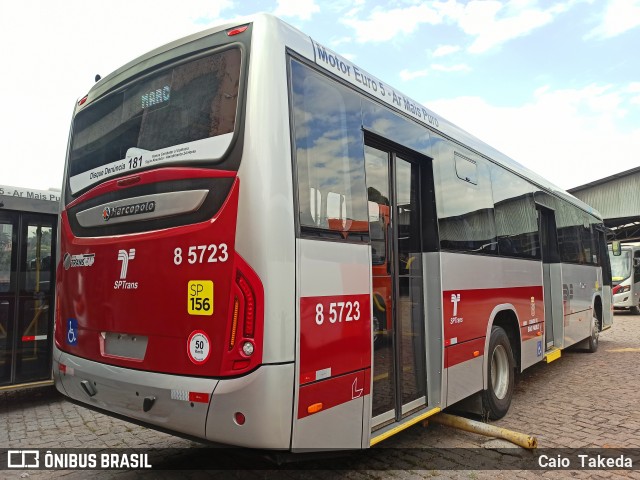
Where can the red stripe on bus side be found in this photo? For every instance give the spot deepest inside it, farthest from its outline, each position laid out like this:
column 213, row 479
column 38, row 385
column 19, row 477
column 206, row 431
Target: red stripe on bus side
column 463, row 352
column 473, row 309
column 333, row 391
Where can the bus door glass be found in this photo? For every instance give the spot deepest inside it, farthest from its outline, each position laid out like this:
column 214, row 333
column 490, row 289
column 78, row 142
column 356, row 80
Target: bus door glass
column 636, row 271
column 35, row 298
column 551, row 274
column 26, row 296
column 8, row 255
column 399, row 371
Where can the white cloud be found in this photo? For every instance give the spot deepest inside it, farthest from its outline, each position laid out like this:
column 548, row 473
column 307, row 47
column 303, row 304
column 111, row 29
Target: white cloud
column 489, row 22
column 302, row 9
column 493, row 23
column 444, row 50
column 634, row 90
column 409, row 75
column 339, row 41
column 71, row 42
column 383, row 25
column 619, row 17
column 460, row 67
column 570, row 137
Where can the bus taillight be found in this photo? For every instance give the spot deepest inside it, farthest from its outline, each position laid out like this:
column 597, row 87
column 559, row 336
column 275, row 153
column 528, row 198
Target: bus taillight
column 237, row 30
column 249, row 306
column 234, row 324
column 245, row 330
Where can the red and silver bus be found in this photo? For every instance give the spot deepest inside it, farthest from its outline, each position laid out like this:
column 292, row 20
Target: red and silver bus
column 250, row 201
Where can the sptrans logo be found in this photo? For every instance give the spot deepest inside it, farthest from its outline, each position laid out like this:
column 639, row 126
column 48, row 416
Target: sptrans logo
column 125, row 257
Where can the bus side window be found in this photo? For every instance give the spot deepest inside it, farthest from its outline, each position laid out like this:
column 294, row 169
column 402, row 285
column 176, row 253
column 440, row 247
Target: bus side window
column 515, row 215
column 465, row 205
column 636, row 267
column 329, row 160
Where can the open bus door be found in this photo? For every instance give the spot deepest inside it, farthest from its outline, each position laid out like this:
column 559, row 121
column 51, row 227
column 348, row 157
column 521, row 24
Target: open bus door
column 27, row 252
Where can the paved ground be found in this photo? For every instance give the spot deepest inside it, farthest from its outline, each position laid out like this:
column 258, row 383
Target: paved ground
column 581, row 400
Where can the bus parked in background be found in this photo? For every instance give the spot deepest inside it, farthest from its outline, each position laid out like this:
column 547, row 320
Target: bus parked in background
column 625, row 273
column 28, row 226
column 259, row 212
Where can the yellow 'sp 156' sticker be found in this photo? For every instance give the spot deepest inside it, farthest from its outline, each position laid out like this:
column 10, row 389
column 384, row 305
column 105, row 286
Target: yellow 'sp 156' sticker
column 200, row 297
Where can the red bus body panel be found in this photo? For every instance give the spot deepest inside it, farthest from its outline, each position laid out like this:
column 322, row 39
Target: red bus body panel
column 152, row 302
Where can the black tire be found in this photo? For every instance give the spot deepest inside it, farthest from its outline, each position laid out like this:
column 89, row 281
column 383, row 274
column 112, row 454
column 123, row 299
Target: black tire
column 379, row 320
column 634, row 310
column 376, row 328
column 496, row 399
column 591, row 343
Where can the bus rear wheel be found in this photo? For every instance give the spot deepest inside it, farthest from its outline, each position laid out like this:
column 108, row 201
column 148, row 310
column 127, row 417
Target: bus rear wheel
column 376, row 328
column 496, row 399
column 591, row 343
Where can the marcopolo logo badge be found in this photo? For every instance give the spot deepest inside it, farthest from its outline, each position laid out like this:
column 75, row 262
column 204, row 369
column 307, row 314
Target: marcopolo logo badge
column 126, row 210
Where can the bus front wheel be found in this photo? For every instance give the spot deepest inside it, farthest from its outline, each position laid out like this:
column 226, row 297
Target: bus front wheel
column 500, row 375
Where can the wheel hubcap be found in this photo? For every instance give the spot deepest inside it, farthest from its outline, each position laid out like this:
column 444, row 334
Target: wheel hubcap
column 376, row 328
column 500, row 372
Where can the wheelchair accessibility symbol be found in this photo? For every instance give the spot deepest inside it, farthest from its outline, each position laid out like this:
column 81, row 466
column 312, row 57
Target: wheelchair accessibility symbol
column 72, row 331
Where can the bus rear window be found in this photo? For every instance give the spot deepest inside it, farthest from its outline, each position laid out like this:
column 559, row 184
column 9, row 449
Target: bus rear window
column 191, row 101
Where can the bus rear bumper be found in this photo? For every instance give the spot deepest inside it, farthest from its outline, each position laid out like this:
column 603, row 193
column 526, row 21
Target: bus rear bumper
column 198, row 407
column 129, row 393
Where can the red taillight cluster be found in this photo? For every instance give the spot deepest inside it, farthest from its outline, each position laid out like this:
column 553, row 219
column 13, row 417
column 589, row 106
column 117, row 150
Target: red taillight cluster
column 244, row 339
column 249, row 306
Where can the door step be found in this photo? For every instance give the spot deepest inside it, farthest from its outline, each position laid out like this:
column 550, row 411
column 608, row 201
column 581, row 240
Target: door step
column 552, row 355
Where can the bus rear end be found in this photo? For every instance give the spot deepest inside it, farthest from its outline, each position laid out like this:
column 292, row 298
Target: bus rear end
column 155, row 308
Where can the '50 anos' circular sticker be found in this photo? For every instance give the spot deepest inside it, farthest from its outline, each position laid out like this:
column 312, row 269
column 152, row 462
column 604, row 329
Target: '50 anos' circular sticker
column 198, row 347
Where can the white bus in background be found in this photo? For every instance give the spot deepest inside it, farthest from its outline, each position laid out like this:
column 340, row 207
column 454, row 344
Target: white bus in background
column 625, row 275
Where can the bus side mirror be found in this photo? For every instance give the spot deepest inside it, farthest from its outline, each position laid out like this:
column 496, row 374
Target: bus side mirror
column 615, row 248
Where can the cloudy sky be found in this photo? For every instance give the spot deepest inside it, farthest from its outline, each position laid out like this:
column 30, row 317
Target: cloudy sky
column 553, row 84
